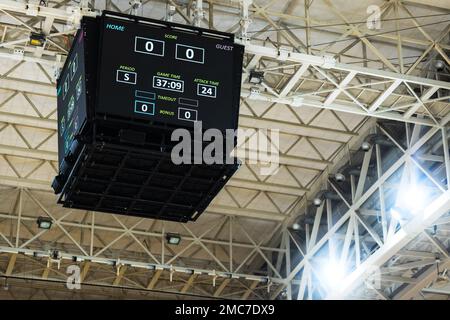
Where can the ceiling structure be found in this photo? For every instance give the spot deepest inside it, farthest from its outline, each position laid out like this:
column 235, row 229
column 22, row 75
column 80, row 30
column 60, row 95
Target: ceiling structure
column 329, row 81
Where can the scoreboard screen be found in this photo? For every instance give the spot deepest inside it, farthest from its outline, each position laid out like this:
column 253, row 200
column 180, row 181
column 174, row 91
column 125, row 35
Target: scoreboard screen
column 168, row 73
column 71, row 96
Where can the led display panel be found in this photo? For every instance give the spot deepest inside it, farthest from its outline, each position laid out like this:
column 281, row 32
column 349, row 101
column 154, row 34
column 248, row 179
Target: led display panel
column 169, row 74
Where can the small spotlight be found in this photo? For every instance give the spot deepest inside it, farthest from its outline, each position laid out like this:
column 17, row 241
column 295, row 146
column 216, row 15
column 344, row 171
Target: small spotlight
column 439, row 65
column 365, row 146
column 44, row 223
column 37, row 39
column 173, row 238
column 322, row 195
column 373, row 139
column 296, row 226
column 317, row 202
column 339, row 177
column 256, row 77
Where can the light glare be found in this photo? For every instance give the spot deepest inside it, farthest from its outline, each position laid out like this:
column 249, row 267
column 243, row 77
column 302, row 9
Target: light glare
column 395, row 213
column 412, row 197
column 334, row 272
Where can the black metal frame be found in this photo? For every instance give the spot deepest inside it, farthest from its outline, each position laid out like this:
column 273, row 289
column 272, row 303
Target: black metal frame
column 124, row 180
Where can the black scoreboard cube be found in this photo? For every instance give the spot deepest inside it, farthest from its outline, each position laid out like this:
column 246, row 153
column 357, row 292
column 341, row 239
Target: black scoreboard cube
column 127, row 84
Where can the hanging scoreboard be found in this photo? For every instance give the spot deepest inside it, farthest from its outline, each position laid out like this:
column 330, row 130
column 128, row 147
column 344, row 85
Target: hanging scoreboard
column 127, row 84
column 169, row 73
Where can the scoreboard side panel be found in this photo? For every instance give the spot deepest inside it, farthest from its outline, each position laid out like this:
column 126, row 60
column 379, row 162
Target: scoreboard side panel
column 71, row 96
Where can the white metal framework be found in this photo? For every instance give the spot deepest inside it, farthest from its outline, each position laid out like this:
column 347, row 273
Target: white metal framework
column 328, row 79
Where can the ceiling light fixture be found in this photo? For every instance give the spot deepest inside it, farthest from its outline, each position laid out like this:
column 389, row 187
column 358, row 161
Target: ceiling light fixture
column 173, row 238
column 37, row 39
column 256, row 77
column 44, row 223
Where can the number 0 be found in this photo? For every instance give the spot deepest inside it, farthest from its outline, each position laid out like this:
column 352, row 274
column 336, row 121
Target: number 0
column 189, row 53
column 187, row 115
column 144, row 108
column 149, row 46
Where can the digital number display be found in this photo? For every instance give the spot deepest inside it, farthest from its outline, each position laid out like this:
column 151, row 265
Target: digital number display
column 126, row 77
column 187, row 114
column 168, row 84
column 206, row 91
column 167, row 73
column 144, row 107
column 190, row 53
column 149, row 46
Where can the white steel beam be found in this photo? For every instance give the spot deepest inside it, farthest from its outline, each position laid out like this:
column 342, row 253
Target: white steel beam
column 443, row 291
column 189, row 283
column 250, row 289
column 218, row 209
column 244, row 121
column 120, row 275
column 49, row 61
column 11, row 264
column 222, row 286
column 327, row 63
column 264, row 186
column 28, row 86
column 382, row 97
column 437, row 243
column 33, row 9
column 332, row 96
column 357, row 204
column 286, row 55
column 398, row 279
column 293, row 80
column 417, row 105
column 154, row 279
column 441, row 4
column 408, row 232
column 25, row 183
column 28, row 153
column 412, row 290
column 336, row 106
column 140, row 265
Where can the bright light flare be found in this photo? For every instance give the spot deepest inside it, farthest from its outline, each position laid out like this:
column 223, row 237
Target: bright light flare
column 396, row 214
column 412, row 197
column 333, row 273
